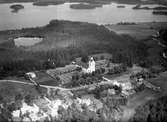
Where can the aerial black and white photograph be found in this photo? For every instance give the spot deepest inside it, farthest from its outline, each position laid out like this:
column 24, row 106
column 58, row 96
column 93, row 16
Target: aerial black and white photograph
column 83, row 60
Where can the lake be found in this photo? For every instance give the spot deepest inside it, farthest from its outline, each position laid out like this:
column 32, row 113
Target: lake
column 32, row 16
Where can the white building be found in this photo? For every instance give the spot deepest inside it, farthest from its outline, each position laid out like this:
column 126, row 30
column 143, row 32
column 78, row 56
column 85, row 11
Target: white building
column 31, row 75
column 91, row 66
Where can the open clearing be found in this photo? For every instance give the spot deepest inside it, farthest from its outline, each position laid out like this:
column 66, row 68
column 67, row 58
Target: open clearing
column 140, row 30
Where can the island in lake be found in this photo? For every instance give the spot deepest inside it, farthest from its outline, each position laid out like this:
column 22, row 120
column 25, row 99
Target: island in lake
column 139, row 6
column 16, row 7
column 55, row 2
column 49, row 2
column 85, row 6
column 120, row 6
column 160, row 12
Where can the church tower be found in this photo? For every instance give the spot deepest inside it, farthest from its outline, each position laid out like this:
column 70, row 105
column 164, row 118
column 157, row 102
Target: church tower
column 91, row 67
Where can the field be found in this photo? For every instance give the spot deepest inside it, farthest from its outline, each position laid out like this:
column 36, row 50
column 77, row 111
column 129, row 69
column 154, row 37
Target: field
column 9, row 90
column 138, row 31
column 44, row 79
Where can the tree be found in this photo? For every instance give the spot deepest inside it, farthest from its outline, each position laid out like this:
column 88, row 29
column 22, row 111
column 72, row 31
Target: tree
column 18, row 97
column 29, row 99
column 1, row 99
column 85, row 58
column 163, row 36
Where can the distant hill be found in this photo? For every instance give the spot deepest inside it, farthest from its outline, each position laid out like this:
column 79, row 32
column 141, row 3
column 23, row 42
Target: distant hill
column 12, row 1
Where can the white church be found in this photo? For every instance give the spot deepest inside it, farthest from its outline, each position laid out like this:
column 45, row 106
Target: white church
column 91, row 66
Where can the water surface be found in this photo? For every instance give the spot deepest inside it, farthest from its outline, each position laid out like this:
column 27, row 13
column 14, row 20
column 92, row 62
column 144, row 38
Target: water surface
column 32, row 16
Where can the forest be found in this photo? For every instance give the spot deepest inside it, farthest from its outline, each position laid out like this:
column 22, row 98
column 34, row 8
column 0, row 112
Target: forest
column 15, row 61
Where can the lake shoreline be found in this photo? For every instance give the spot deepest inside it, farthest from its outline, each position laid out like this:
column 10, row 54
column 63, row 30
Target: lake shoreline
column 43, row 14
column 118, row 28
column 160, row 12
column 106, row 25
column 103, row 2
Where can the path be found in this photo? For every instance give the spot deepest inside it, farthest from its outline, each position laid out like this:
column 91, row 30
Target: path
column 44, row 86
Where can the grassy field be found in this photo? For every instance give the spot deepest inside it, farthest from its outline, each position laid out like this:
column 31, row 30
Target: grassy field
column 138, row 31
column 9, row 90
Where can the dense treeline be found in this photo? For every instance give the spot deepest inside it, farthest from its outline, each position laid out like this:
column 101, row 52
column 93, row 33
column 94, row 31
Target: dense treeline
column 20, row 62
column 162, row 42
column 136, row 53
column 153, row 111
column 17, row 62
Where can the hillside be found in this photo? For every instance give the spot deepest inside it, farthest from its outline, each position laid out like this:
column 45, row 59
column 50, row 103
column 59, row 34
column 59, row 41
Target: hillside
column 65, row 40
column 65, row 34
